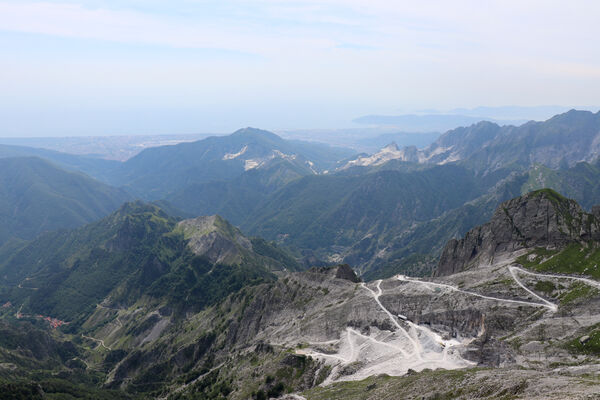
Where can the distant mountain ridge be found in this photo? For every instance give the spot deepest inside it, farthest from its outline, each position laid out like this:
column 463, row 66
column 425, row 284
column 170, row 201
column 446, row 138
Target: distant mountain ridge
column 37, row 196
column 321, row 215
column 160, row 171
column 384, row 213
column 564, row 139
column 94, row 167
column 428, row 122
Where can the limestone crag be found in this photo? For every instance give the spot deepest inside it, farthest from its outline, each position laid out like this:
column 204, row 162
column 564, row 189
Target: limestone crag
column 538, row 219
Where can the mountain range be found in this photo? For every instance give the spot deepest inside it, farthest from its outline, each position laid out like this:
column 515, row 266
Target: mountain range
column 428, row 122
column 377, row 212
column 37, row 196
column 201, row 311
column 563, row 140
column 251, row 267
column 136, row 251
column 160, row 171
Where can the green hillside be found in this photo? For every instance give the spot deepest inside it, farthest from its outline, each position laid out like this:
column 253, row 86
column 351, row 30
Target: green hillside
column 582, row 259
column 136, row 251
column 37, row 196
column 95, row 167
column 581, row 182
column 360, row 214
column 237, row 198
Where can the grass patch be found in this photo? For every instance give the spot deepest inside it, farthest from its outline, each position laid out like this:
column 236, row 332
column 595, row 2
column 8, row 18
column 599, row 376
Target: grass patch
column 440, row 384
column 574, row 259
column 546, row 287
column 578, row 291
column 589, row 346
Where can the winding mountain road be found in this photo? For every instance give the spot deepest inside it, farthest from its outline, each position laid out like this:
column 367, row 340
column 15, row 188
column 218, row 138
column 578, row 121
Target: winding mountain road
column 588, row 281
column 401, row 350
column 552, row 307
column 438, row 347
column 100, row 341
column 113, row 309
column 512, row 270
column 376, row 296
column 429, row 348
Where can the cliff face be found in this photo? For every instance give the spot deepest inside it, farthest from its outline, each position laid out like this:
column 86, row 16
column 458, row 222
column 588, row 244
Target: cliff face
column 538, row 219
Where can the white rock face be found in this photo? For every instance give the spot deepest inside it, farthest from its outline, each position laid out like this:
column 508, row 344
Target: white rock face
column 231, row 156
column 396, row 338
column 389, row 152
column 432, row 154
column 409, row 346
column 253, row 163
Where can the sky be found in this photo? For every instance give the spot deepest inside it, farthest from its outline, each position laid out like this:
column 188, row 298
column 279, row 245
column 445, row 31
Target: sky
column 113, row 67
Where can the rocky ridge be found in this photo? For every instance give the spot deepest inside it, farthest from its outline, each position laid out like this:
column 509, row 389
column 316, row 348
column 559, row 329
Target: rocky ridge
column 538, row 219
column 566, row 138
column 216, row 239
column 322, row 329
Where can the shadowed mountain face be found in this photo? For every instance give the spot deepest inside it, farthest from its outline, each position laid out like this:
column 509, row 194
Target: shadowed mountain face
column 562, row 140
column 36, row 196
column 355, row 219
column 238, row 197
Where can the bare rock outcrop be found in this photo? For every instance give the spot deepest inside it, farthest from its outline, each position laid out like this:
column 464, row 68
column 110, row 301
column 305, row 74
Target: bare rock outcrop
column 538, row 219
column 216, row 239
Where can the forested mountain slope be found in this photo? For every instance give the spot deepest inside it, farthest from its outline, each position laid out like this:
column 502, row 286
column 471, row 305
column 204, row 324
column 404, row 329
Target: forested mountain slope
column 160, row 171
column 136, row 251
column 37, row 196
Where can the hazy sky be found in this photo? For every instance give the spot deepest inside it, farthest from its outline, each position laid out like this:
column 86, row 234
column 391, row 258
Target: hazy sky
column 89, row 67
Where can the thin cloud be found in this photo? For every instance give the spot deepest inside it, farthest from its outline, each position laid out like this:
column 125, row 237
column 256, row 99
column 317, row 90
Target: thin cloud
column 355, row 46
column 325, row 57
column 76, row 21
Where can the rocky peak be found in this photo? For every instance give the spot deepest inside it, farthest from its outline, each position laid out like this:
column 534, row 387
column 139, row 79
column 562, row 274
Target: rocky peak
column 134, row 223
column 342, row 271
column 253, row 133
column 542, row 218
column 215, row 238
column 391, row 147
